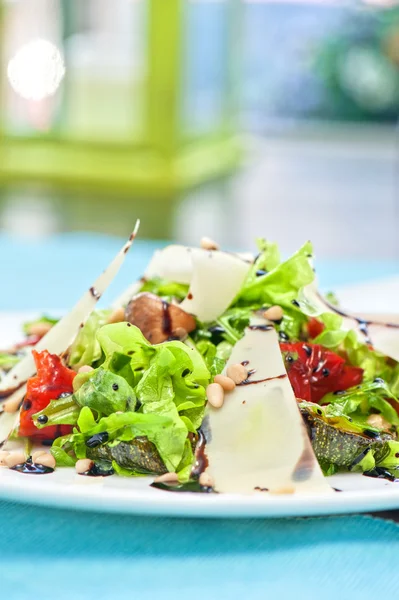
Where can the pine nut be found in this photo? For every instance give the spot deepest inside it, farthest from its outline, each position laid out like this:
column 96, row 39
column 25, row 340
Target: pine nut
column 39, row 329
column 378, row 421
column 274, row 313
column 226, row 382
column 215, row 395
column 117, row 316
column 3, row 456
column 208, row 244
column 38, row 453
column 206, row 480
column 15, row 458
column 85, row 369
column 180, row 333
column 9, row 407
column 47, row 460
column 167, row 478
column 83, row 465
column 238, row 373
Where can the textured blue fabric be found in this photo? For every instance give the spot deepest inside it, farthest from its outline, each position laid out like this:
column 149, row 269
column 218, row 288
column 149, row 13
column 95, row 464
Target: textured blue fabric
column 66, row 555
column 57, row 555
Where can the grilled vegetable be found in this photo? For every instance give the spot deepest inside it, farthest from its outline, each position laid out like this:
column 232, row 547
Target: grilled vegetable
column 335, row 442
column 139, row 455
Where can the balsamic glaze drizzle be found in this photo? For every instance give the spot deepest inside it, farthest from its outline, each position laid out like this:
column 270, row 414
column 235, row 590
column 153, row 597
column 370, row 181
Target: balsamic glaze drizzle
column 249, row 382
column 166, row 319
column 201, row 459
column 260, row 327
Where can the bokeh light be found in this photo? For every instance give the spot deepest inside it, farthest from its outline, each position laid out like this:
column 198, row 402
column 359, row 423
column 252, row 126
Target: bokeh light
column 36, row 70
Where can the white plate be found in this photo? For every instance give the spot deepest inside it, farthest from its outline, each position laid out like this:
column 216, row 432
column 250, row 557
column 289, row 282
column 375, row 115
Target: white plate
column 64, row 488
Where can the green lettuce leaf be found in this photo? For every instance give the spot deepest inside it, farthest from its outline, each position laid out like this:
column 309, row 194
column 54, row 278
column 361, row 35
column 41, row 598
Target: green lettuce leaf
column 63, row 411
column 366, row 462
column 208, row 351
column 361, row 401
column 388, row 456
column 62, row 458
column 86, row 421
column 106, row 393
column 167, row 290
column 86, row 348
column 156, row 393
column 282, row 284
column 374, row 363
column 126, row 340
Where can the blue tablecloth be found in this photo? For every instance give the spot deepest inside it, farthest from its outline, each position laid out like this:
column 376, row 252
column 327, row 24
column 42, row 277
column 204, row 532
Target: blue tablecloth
column 57, row 554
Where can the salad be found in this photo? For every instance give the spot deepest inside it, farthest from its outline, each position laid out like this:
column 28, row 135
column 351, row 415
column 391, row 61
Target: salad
column 214, row 372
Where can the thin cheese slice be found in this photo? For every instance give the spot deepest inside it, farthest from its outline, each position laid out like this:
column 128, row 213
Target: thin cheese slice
column 216, row 280
column 258, row 439
column 214, row 277
column 59, row 338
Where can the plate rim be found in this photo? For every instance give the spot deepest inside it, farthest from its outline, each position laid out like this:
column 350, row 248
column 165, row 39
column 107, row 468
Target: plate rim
column 136, row 501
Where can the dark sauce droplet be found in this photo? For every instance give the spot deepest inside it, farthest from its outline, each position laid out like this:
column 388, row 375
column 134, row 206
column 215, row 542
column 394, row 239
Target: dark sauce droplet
column 98, row 471
column 283, row 336
column 190, row 296
column 295, row 303
column 30, row 468
column 260, row 272
column 94, row 293
column 97, row 439
column 216, row 329
column 190, row 486
column 251, row 382
column 115, row 387
column 166, row 319
column 261, row 489
column 363, row 328
column 42, row 419
column 370, row 433
column 27, row 405
column 260, row 327
column 185, row 372
column 360, row 457
column 325, row 372
column 245, row 363
column 307, row 349
column 339, row 392
column 380, row 473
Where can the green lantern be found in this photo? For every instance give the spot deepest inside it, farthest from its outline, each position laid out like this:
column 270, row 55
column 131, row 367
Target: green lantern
column 129, row 95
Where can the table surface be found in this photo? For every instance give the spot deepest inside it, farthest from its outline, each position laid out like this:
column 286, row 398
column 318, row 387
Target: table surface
column 50, row 553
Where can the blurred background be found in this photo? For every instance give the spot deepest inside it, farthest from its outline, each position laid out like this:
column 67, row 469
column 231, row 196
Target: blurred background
column 227, row 118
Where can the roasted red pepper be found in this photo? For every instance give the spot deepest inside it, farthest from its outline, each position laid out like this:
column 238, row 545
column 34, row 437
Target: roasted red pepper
column 52, row 380
column 315, row 327
column 314, row 371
